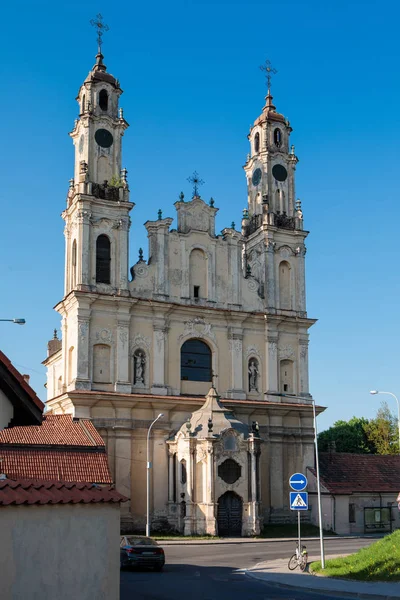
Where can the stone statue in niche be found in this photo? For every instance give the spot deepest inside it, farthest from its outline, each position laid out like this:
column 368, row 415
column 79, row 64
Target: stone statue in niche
column 253, row 375
column 139, row 364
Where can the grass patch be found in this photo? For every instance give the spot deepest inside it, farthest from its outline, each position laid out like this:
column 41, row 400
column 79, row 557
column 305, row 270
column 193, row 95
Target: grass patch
column 290, row 530
column 378, row 562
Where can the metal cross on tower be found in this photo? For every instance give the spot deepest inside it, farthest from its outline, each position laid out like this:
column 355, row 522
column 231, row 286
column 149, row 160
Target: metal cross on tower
column 101, row 28
column 196, row 181
column 269, row 71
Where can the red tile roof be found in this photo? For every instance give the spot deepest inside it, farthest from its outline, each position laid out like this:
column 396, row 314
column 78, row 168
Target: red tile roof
column 50, row 492
column 345, row 473
column 57, row 430
column 54, row 464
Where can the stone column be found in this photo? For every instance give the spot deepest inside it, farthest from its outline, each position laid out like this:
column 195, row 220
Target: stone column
column 211, row 523
column 270, row 274
column 170, row 477
column 159, row 335
column 122, row 283
column 185, row 292
column 271, row 375
column 303, row 366
column 123, row 462
column 83, row 250
column 301, row 279
column 82, row 381
column 236, row 350
column 253, row 473
column 68, row 256
column 122, row 383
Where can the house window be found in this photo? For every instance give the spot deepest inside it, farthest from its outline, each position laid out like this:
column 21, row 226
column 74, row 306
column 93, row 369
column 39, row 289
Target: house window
column 257, row 143
column 196, row 291
column 103, row 259
column 183, row 472
column 195, row 361
column 352, row 513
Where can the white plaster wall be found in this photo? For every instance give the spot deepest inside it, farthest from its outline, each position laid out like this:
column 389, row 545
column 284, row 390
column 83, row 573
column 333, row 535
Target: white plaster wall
column 60, row 552
column 6, row 410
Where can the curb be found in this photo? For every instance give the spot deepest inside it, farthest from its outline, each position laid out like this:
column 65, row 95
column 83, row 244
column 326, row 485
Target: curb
column 325, row 591
column 183, row 542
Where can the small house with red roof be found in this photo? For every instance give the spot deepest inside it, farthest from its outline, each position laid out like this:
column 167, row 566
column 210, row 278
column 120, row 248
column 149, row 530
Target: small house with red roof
column 358, row 492
column 19, row 405
column 59, row 540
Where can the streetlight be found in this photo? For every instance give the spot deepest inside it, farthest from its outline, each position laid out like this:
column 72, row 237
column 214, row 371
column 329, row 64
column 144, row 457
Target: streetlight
column 17, row 321
column 373, row 392
column 321, row 532
column 148, row 476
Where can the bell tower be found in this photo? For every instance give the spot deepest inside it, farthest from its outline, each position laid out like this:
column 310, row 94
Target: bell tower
column 272, row 228
column 97, row 214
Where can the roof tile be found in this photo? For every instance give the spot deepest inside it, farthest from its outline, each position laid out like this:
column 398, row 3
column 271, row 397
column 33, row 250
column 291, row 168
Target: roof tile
column 17, row 492
column 345, row 473
column 56, row 430
column 48, row 464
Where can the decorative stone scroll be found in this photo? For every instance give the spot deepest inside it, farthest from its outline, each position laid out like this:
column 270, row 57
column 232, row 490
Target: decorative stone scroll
column 197, row 327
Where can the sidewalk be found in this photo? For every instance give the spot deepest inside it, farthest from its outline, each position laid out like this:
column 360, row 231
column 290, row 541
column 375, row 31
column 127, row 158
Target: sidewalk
column 277, row 572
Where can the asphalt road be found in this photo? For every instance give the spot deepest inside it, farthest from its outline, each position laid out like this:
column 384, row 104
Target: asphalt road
column 210, row 572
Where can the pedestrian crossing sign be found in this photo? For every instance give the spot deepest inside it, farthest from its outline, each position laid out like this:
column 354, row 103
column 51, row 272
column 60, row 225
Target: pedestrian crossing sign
column 298, row 501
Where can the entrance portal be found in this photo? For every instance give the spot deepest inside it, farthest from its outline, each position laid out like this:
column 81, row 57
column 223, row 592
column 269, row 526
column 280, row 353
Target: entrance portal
column 229, row 518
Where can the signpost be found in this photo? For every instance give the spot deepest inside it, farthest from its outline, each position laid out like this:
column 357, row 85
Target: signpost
column 298, row 499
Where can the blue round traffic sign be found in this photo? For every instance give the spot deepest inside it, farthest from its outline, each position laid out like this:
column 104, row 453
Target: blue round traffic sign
column 298, row 482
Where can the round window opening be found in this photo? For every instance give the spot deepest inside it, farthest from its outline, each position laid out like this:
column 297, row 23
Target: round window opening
column 229, row 471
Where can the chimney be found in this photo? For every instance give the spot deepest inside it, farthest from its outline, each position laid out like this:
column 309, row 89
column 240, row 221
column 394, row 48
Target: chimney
column 26, row 377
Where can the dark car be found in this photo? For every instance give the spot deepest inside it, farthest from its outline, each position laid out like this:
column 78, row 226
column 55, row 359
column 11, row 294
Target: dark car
column 141, row 552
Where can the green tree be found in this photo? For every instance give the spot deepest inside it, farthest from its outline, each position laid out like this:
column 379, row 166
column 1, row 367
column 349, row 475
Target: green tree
column 348, row 436
column 382, row 431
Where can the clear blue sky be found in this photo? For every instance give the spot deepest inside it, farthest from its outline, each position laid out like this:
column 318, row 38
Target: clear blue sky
column 192, row 87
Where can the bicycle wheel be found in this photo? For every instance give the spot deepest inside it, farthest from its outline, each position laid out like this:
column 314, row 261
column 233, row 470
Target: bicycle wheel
column 293, row 562
column 303, row 562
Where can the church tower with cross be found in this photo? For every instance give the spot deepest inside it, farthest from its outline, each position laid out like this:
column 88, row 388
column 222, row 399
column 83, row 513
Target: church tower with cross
column 207, row 329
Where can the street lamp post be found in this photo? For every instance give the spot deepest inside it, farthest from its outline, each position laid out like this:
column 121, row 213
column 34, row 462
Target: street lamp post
column 148, row 476
column 17, row 321
column 373, row 392
column 321, row 531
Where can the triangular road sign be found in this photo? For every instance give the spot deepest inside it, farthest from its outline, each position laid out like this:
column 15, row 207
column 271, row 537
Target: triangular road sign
column 298, row 501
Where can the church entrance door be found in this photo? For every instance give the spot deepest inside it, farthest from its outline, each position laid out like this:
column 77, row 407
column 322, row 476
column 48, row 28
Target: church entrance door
column 229, row 518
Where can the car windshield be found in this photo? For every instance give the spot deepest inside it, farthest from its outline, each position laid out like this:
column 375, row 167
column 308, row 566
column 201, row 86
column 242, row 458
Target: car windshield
column 140, row 541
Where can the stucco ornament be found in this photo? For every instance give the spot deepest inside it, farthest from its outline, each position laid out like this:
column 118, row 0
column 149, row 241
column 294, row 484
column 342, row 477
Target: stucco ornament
column 139, row 340
column 286, row 352
column 252, row 350
column 235, row 346
column 285, row 252
column 83, row 329
column 104, row 335
column 141, row 270
column 252, row 285
column 123, row 336
column 197, row 327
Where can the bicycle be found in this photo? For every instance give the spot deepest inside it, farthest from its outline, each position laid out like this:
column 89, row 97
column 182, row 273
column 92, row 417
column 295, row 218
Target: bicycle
column 298, row 559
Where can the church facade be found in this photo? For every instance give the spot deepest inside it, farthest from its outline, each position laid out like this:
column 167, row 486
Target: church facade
column 204, row 312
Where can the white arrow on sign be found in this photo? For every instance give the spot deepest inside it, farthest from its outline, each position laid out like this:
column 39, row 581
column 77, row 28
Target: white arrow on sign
column 297, row 481
column 298, row 501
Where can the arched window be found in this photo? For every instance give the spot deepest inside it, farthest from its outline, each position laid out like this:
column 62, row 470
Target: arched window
column 284, row 286
column 277, row 137
column 73, row 260
column 257, row 143
column 183, row 472
column 103, row 100
column 195, row 361
column 101, row 363
column 83, row 103
column 103, row 259
column 286, row 376
column 198, row 274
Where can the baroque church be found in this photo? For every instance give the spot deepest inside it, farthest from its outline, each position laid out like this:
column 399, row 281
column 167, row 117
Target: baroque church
column 150, row 339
